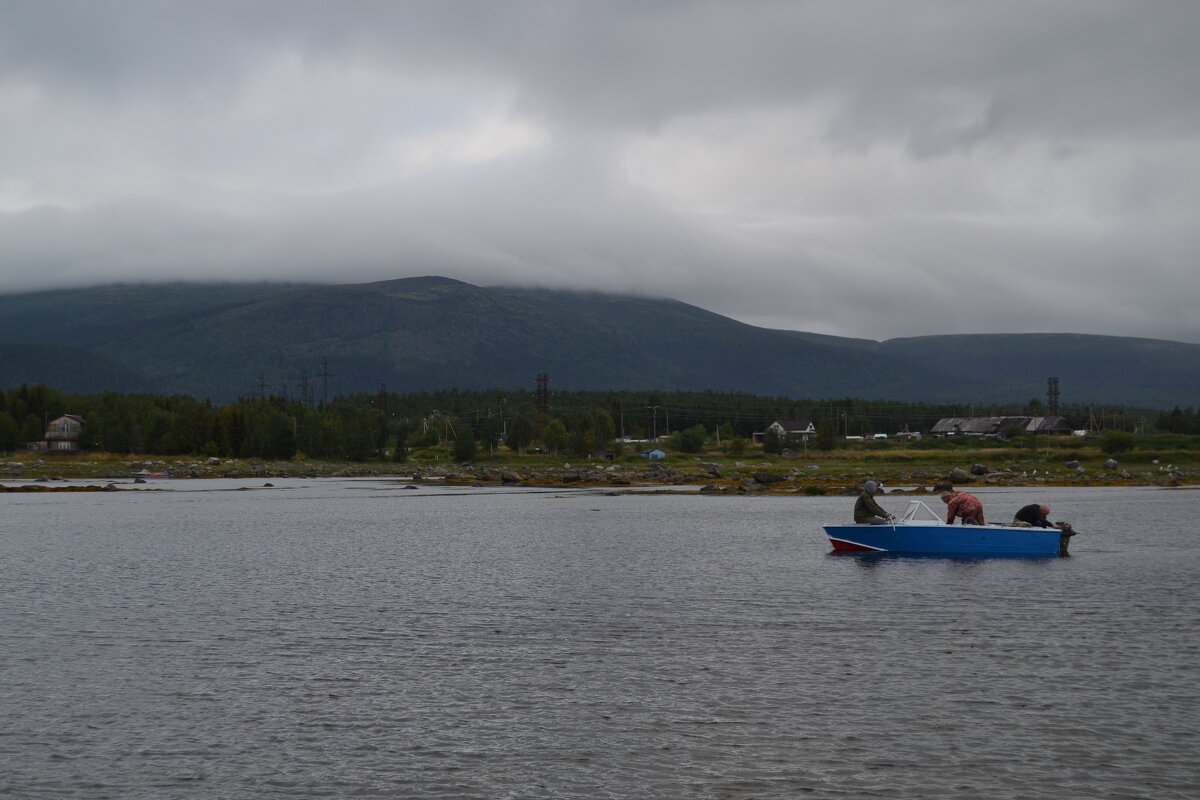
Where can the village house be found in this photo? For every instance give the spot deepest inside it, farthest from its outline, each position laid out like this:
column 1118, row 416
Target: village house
column 62, row 435
column 800, row 430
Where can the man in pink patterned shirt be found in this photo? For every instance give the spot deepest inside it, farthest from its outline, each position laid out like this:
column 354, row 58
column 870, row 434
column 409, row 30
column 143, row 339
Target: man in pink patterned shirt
column 961, row 504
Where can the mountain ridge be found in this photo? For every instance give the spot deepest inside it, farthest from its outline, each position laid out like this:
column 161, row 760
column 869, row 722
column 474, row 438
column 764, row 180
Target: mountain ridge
column 411, row 334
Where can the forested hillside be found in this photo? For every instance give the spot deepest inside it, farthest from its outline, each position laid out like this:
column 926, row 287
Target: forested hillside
column 309, row 342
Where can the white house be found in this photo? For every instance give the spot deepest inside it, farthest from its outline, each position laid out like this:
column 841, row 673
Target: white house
column 800, row 429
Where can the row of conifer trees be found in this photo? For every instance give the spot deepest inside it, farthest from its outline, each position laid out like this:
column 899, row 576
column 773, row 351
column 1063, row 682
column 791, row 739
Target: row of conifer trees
column 365, row 426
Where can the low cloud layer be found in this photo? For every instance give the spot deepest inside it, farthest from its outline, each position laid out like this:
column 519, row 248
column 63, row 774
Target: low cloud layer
column 866, row 169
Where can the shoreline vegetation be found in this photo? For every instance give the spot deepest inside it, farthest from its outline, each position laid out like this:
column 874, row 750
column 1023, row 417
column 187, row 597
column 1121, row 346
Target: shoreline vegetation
column 719, row 442
column 835, row 472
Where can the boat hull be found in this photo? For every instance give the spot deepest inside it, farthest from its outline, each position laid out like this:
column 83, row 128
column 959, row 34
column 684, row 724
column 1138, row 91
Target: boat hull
column 941, row 539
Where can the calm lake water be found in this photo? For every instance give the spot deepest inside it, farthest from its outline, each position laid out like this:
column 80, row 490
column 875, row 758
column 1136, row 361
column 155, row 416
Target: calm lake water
column 363, row 639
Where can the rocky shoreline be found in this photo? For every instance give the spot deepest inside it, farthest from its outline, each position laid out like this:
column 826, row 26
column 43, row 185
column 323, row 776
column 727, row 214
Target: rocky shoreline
column 705, row 476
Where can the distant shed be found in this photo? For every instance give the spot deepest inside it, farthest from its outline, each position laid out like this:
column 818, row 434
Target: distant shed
column 995, row 426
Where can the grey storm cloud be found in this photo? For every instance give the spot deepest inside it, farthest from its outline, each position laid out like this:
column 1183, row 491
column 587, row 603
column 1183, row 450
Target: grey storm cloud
column 871, row 169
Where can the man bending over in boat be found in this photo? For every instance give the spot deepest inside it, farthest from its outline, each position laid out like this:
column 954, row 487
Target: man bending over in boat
column 1035, row 515
column 866, row 510
column 961, row 504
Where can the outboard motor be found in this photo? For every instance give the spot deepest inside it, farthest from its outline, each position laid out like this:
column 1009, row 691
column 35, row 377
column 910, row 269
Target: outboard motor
column 1065, row 532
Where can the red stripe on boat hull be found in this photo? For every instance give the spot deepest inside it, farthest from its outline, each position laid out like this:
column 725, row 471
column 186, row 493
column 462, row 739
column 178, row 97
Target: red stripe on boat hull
column 842, row 544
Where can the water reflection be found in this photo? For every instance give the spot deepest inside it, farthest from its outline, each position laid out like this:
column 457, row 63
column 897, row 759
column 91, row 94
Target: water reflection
column 872, row 560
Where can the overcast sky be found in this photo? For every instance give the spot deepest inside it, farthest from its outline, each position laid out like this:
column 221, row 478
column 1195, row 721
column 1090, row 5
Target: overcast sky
column 866, row 169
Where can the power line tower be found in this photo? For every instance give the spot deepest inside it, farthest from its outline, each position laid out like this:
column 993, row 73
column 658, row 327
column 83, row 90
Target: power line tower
column 437, row 418
column 260, row 387
column 542, row 397
column 306, row 389
column 325, row 376
column 1052, row 403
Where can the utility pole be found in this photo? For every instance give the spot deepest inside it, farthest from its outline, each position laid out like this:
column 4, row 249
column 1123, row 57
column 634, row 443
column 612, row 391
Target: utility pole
column 542, row 398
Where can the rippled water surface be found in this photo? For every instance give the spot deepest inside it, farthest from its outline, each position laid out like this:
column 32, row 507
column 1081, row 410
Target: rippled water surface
column 364, row 639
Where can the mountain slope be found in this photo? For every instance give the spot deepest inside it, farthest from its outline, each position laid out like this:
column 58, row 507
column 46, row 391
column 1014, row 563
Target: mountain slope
column 1108, row 370
column 68, row 369
column 429, row 333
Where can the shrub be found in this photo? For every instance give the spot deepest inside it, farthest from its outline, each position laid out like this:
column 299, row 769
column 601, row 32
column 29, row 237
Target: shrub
column 464, row 445
column 1114, row 442
column 691, row 440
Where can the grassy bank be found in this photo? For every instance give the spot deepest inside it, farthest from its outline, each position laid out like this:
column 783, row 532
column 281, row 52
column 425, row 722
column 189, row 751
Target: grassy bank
column 1068, row 462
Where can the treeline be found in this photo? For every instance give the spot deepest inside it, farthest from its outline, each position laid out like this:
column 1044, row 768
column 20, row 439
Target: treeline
column 368, row 426
column 182, row 425
column 1182, row 421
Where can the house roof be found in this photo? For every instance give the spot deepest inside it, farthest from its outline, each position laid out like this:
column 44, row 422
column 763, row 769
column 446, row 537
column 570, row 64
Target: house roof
column 948, row 425
column 978, row 426
column 1040, row 424
column 794, row 425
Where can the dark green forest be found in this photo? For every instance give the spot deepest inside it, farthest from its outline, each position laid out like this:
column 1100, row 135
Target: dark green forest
column 363, row 427
column 224, row 341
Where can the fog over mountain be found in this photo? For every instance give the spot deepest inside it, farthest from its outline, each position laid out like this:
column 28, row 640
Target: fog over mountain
column 864, row 169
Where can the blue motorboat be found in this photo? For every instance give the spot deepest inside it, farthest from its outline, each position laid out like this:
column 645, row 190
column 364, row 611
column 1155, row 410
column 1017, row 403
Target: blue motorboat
column 920, row 530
